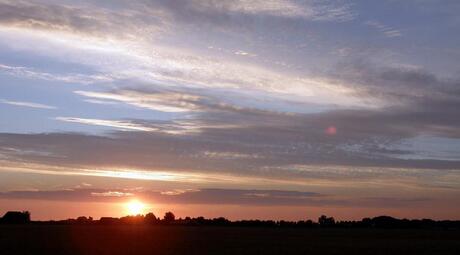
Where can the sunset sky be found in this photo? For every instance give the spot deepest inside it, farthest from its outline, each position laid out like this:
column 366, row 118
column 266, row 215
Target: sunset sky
column 270, row 109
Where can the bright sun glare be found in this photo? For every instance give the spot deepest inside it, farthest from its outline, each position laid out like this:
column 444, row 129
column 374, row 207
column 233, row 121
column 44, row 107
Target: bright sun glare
column 135, row 207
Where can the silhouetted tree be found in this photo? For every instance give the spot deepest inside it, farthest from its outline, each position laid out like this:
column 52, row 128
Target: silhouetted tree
column 325, row 221
column 150, row 218
column 305, row 224
column 169, row 217
column 221, row 221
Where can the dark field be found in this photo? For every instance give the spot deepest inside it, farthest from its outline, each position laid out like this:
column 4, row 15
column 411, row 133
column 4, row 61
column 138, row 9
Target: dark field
column 80, row 239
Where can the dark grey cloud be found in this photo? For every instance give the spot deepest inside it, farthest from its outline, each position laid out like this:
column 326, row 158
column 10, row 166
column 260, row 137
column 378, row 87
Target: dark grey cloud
column 214, row 197
column 222, row 137
column 243, row 141
column 204, row 196
column 418, row 101
column 398, row 83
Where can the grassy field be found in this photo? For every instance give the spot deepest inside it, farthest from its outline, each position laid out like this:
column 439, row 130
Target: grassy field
column 69, row 240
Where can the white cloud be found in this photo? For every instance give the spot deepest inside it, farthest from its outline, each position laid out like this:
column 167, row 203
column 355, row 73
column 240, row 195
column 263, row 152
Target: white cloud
column 104, row 102
column 244, row 53
column 176, row 192
column 27, row 104
column 227, row 155
column 24, row 72
column 111, row 194
column 118, row 124
column 166, row 102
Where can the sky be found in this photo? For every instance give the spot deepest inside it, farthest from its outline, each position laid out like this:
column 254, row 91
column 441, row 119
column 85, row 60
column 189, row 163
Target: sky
column 269, row 109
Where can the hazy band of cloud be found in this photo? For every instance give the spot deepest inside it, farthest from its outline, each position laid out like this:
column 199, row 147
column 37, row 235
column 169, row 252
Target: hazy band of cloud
column 216, row 197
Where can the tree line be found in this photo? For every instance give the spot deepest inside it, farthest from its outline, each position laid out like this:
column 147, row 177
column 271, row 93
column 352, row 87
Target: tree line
column 170, row 219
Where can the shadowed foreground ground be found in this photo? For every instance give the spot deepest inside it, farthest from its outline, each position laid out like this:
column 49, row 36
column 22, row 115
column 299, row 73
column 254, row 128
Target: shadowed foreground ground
column 80, row 239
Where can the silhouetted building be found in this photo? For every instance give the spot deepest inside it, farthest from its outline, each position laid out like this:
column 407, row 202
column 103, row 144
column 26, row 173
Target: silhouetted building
column 109, row 220
column 12, row 217
column 84, row 220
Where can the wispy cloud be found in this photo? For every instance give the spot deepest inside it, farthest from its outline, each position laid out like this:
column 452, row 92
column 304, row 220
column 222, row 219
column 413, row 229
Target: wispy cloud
column 25, row 72
column 244, row 53
column 28, row 104
column 103, row 102
column 118, row 124
column 160, row 101
column 172, row 65
column 308, row 10
column 220, row 196
column 174, row 176
column 387, row 31
column 111, row 194
column 69, row 18
column 227, row 155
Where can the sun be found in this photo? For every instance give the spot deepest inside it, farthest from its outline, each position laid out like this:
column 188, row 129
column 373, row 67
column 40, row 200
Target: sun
column 135, row 207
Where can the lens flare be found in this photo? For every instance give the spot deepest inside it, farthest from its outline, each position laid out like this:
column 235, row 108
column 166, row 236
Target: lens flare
column 331, row 130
